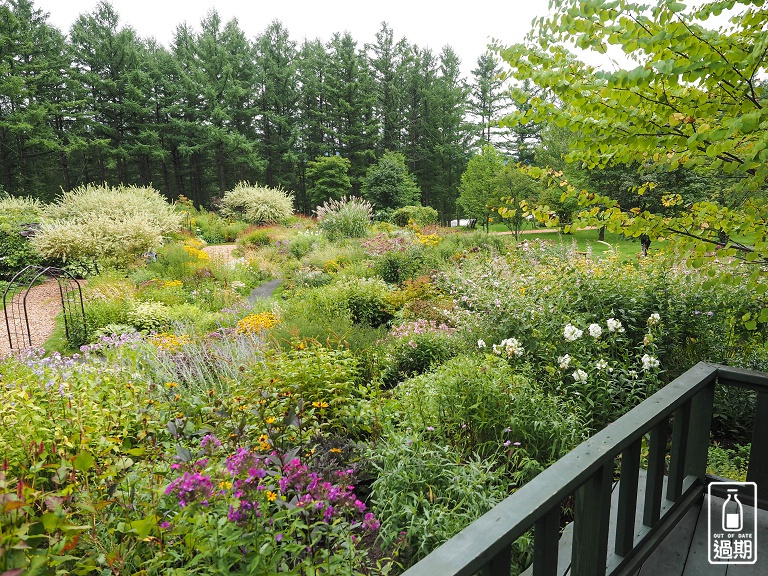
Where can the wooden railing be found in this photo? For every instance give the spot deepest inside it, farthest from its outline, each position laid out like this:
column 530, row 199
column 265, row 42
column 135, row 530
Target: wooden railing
column 587, row 471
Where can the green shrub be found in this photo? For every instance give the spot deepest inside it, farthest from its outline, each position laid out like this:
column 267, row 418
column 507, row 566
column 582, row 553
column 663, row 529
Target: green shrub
column 355, row 300
column 302, row 244
column 149, row 316
column 729, row 463
column 396, row 266
column 214, row 229
column 257, row 204
column 481, row 405
column 16, row 251
column 425, row 493
column 364, row 298
column 326, row 379
column 415, row 350
column 420, row 215
column 345, row 218
column 254, row 239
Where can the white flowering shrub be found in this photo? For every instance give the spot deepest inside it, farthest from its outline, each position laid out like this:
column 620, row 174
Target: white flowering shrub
column 99, row 226
column 115, row 203
column 100, row 239
column 257, row 204
column 601, row 370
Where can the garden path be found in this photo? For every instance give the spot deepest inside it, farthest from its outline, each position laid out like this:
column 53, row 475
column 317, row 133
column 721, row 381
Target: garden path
column 224, row 252
column 43, row 305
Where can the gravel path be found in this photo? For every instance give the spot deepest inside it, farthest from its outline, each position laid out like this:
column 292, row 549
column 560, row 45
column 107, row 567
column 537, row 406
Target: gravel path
column 224, row 252
column 220, row 251
column 43, row 304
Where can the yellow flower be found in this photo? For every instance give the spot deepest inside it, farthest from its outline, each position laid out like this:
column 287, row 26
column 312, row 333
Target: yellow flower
column 270, row 420
column 257, row 323
column 336, row 450
column 169, row 342
column 271, row 496
column 320, row 404
column 199, row 254
column 226, row 485
column 172, row 384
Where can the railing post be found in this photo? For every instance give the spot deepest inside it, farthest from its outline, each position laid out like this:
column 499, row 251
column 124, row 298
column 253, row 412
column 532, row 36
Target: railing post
column 546, row 541
column 590, row 529
column 500, row 565
column 657, row 452
column 758, row 456
column 625, row 516
column 698, row 432
column 680, row 427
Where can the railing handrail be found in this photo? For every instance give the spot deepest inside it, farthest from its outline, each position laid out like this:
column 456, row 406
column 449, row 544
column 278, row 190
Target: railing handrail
column 476, row 546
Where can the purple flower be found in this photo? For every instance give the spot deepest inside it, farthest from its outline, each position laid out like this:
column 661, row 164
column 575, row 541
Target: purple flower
column 210, row 444
column 507, row 443
column 191, row 487
column 278, row 537
column 430, row 428
column 370, row 522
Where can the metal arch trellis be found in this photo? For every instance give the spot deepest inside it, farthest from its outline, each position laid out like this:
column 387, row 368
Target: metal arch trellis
column 16, row 317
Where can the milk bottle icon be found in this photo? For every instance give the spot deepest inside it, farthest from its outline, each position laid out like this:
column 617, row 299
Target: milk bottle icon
column 733, row 513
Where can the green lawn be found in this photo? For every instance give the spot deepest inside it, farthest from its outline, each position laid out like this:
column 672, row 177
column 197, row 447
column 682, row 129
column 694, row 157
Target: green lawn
column 586, row 241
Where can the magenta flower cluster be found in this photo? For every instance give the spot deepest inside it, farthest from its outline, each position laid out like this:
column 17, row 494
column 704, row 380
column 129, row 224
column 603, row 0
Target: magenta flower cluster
column 252, row 482
column 210, row 444
column 319, row 496
column 191, row 487
column 258, row 485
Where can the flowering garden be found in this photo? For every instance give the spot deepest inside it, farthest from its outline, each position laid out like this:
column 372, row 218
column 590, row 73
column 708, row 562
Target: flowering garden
column 402, row 381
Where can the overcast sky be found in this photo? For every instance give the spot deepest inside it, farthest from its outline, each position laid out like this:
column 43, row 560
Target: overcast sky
column 467, row 27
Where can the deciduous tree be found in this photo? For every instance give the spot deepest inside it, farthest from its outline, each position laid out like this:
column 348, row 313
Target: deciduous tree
column 696, row 98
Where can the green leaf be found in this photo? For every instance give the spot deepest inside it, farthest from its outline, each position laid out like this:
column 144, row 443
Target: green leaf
column 143, row 527
column 676, row 7
column 51, row 521
column 83, row 461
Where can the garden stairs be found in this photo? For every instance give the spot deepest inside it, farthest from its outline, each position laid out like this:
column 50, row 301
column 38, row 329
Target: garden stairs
column 653, row 522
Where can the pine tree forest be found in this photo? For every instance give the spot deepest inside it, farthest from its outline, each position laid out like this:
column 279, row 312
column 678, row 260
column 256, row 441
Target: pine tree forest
column 99, row 104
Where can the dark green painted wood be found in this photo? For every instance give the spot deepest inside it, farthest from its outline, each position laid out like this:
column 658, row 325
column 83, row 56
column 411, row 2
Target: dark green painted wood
column 546, row 534
column 698, row 432
column 500, row 564
column 758, row 457
column 657, row 451
column 668, row 559
column 625, row 516
column 741, row 378
column 590, row 527
column 648, row 539
column 677, row 455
